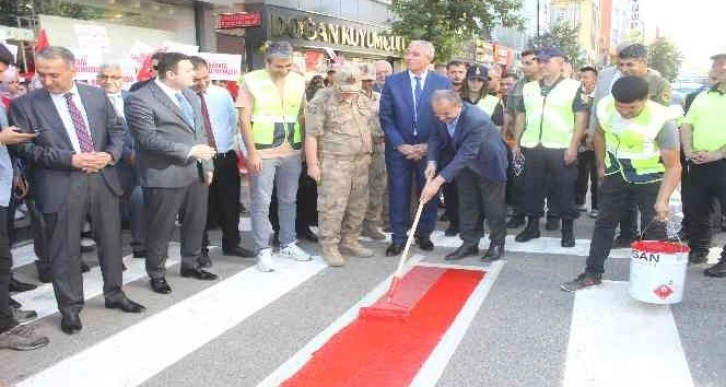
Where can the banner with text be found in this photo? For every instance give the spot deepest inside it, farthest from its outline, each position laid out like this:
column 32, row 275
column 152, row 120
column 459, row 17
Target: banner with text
column 223, row 67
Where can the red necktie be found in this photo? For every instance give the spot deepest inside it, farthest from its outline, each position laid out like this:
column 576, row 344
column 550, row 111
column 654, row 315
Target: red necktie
column 84, row 137
column 207, row 122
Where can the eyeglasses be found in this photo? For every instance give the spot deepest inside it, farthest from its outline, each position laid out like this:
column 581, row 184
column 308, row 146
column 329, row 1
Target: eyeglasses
column 110, row 77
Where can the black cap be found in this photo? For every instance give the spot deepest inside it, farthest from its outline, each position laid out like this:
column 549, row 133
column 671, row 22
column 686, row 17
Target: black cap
column 719, row 56
column 477, row 71
column 6, row 56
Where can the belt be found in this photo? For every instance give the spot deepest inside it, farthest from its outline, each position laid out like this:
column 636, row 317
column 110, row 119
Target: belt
column 226, row 154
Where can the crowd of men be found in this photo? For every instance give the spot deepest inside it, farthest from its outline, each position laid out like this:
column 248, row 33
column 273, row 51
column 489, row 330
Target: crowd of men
column 352, row 153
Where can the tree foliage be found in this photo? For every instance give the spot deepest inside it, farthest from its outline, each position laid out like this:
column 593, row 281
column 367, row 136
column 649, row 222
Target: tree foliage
column 565, row 37
column 664, row 56
column 450, row 23
column 24, row 8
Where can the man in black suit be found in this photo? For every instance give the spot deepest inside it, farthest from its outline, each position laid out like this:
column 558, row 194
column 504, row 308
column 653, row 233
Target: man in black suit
column 174, row 166
column 80, row 139
column 479, row 166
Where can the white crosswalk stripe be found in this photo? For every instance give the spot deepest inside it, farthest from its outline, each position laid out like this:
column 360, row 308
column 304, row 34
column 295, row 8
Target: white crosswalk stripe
column 613, row 340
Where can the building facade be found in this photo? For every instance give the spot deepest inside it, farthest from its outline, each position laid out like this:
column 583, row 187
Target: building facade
column 584, row 15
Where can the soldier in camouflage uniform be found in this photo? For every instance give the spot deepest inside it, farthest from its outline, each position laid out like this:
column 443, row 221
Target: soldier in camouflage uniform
column 338, row 148
column 377, row 186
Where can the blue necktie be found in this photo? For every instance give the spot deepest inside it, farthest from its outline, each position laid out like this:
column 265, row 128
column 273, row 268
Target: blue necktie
column 186, row 108
column 417, row 96
column 417, row 91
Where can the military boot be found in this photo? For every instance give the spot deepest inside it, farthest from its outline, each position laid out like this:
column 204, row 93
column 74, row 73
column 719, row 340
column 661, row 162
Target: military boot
column 352, row 247
column 530, row 232
column 371, row 231
column 332, row 256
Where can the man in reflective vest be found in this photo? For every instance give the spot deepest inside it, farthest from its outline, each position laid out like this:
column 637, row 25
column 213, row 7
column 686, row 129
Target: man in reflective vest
column 638, row 161
column 550, row 123
column 271, row 103
column 704, row 147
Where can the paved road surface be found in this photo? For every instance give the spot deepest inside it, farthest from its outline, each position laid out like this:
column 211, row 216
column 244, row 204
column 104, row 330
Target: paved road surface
column 249, row 327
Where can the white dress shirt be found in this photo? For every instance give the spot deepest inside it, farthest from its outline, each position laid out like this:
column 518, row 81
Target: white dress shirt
column 61, row 106
column 413, row 85
column 223, row 117
column 117, row 100
column 171, row 93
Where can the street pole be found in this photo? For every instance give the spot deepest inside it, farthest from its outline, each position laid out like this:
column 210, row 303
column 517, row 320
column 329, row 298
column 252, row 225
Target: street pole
column 537, row 21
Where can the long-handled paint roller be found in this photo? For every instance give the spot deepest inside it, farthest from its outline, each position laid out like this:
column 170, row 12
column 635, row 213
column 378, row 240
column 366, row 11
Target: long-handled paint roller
column 389, row 308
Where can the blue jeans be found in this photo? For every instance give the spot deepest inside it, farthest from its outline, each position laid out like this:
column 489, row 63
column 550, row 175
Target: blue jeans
column 286, row 172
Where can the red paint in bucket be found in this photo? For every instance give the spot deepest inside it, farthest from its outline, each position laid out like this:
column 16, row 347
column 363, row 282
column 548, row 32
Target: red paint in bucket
column 660, row 247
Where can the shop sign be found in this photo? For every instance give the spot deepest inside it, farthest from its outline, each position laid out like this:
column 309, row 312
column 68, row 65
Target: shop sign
column 228, row 21
column 309, row 29
column 223, row 67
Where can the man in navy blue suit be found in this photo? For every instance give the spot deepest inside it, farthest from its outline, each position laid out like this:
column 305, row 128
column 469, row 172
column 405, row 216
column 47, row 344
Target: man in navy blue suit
column 479, row 167
column 407, row 120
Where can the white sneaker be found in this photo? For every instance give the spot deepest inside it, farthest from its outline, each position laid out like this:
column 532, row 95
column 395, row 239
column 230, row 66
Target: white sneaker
column 265, row 263
column 292, row 251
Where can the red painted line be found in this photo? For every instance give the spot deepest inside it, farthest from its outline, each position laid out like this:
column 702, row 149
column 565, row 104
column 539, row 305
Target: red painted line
column 389, row 352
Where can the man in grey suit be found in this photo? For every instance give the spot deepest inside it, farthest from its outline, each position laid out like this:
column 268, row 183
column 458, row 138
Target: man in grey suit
column 174, row 167
column 80, row 139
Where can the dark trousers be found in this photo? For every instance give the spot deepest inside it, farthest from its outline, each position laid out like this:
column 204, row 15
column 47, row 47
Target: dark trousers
column 88, row 196
column 707, row 182
column 161, row 206
column 40, row 238
column 686, row 194
column 546, row 168
column 6, row 263
column 479, row 196
column 617, row 197
column 586, row 175
column 515, row 191
column 451, row 198
column 307, row 204
column 401, row 172
column 223, row 202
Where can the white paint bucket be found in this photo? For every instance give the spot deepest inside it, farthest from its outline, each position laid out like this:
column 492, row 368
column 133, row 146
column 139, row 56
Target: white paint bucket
column 658, row 271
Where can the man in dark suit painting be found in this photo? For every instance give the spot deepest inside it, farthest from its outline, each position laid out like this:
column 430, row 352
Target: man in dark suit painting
column 174, row 166
column 406, row 118
column 479, row 167
column 80, row 139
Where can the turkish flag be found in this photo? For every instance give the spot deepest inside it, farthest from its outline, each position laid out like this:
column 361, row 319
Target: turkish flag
column 145, row 70
column 42, row 41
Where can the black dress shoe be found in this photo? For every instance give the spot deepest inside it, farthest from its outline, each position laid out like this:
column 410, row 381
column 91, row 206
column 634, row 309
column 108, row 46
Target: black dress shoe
column 140, row 254
column 451, row 231
column 159, row 285
column 516, row 221
column 462, row 252
column 70, row 322
column 308, row 235
column 394, row 250
column 84, row 267
column 14, row 304
column 19, row 287
column 44, row 276
column 238, row 251
column 494, row 253
column 529, row 233
column 204, row 260
column 424, row 243
column 718, row 270
column 125, row 305
column 198, row 274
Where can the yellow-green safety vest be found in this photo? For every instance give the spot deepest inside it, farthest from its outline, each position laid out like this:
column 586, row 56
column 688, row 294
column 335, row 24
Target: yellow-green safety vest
column 632, row 149
column 488, row 104
column 275, row 121
column 550, row 119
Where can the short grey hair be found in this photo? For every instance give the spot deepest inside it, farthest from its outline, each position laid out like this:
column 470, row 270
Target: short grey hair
column 55, row 52
column 110, row 66
column 279, row 50
column 383, row 62
column 446, row 95
column 425, row 44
